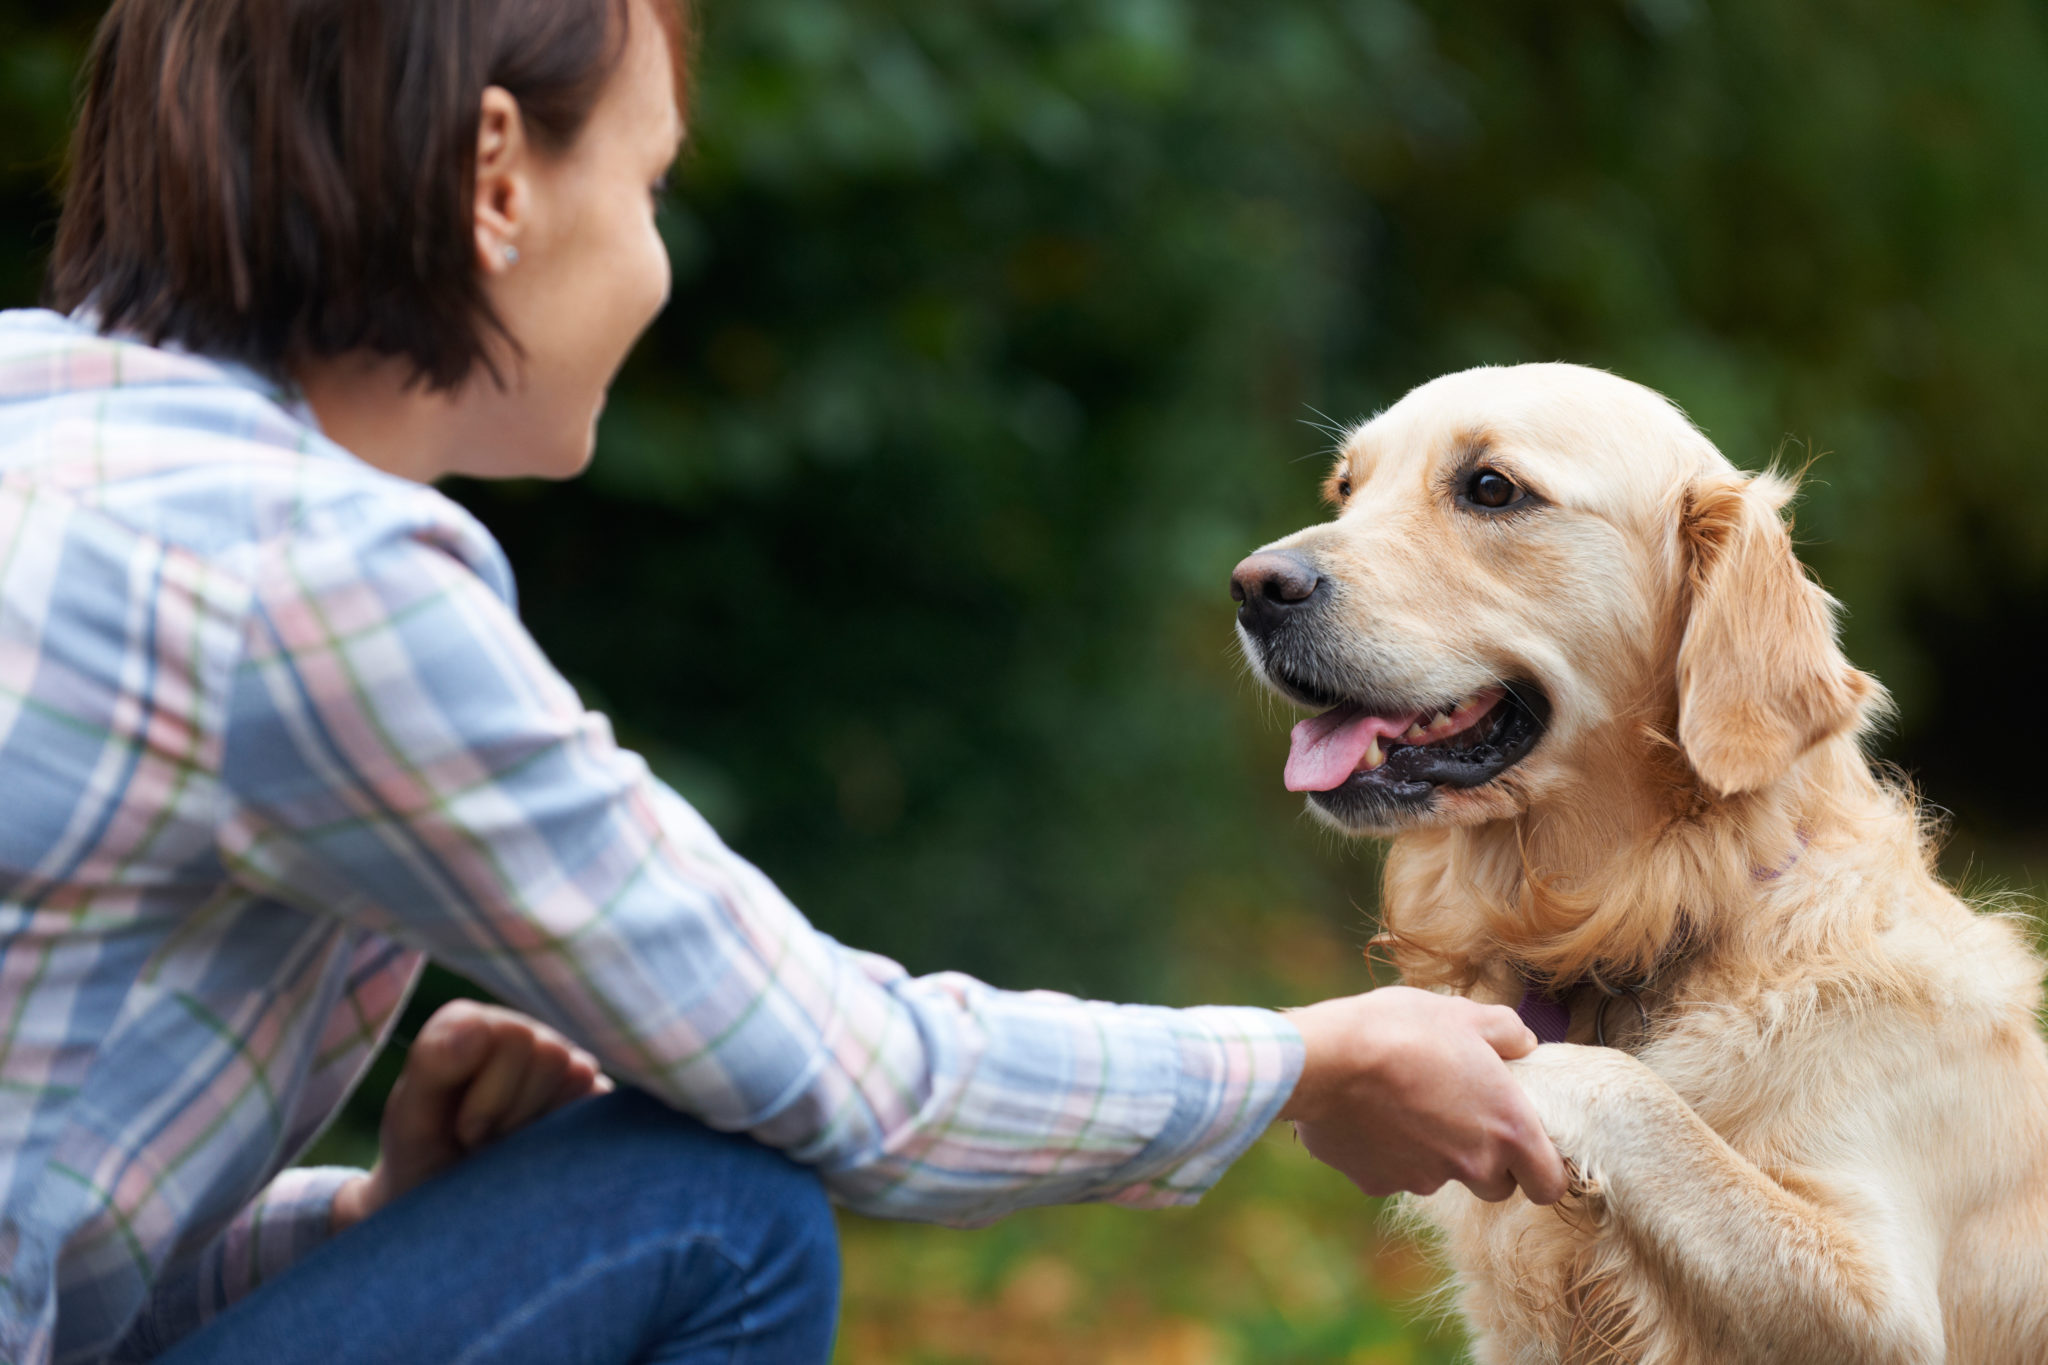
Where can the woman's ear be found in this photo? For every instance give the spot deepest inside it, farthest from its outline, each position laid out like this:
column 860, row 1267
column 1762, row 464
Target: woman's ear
column 1760, row 677
column 504, row 191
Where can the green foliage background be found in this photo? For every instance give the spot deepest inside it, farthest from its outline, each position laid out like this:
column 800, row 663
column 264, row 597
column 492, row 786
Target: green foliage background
column 1004, row 327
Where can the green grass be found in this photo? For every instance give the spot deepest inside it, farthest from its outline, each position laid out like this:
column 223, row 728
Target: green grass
column 1283, row 1262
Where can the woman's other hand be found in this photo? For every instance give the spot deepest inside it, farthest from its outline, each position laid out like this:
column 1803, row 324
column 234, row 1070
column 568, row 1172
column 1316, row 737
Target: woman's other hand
column 475, row 1073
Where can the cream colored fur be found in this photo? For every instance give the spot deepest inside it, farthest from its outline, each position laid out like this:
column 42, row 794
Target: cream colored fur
column 1830, row 1141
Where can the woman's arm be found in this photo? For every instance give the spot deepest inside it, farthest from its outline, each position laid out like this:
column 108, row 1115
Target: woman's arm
column 399, row 752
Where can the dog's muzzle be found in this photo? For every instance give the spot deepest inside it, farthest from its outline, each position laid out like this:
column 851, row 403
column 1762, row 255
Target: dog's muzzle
column 1375, row 752
column 1272, row 588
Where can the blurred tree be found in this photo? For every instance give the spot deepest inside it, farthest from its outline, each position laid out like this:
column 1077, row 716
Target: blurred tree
column 996, row 327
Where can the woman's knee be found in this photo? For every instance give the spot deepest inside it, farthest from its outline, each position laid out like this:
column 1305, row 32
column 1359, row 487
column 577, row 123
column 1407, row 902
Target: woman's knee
column 770, row 1214
column 636, row 1148
column 662, row 1177
column 801, row 1257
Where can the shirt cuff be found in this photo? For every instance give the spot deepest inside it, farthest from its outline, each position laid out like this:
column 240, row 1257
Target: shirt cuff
column 1238, row 1066
column 289, row 1219
column 293, row 1215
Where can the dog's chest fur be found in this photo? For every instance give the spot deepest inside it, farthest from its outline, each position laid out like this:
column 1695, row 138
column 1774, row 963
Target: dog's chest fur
column 1560, row 1285
column 1796, row 1074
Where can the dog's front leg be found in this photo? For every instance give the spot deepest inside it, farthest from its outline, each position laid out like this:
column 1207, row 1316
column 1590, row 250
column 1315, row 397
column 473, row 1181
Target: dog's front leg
column 1764, row 1271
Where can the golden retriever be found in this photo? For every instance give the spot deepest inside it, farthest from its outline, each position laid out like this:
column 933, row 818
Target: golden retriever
column 1572, row 665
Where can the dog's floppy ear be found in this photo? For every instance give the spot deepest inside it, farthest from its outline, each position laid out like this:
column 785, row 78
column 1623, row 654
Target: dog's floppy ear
column 1760, row 677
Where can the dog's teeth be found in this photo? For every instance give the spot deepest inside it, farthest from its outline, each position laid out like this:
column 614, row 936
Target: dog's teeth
column 1373, row 756
column 1440, row 722
column 1415, row 732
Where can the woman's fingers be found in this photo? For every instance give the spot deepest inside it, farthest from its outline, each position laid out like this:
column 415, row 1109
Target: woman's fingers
column 1402, row 1089
column 547, row 1070
column 453, row 1044
column 1491, row 1188
column 1504, row 1029
column 475, row 1073
column 439, row 1066
column 583, row 1078
column 496, row 1086
column 529, row 1070
column 1534, row 1161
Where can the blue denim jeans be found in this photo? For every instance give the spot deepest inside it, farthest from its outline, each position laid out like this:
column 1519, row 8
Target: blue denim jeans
column 613, row 1231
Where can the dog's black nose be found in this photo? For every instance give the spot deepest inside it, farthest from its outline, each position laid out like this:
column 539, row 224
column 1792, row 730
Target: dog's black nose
column 1271, row 584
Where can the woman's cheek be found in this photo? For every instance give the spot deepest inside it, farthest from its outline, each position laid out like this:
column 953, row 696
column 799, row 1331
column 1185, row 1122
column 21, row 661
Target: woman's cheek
column 634, row 294
column 659, row 276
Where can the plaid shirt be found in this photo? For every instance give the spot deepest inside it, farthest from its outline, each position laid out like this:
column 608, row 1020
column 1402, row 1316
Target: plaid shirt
column 270, row 733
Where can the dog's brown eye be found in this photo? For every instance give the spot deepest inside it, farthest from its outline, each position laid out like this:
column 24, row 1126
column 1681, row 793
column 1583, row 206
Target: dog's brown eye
column 1491, row 489
column 1343, row 490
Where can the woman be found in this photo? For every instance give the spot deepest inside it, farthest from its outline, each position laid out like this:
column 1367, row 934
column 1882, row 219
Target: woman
column 271, row 733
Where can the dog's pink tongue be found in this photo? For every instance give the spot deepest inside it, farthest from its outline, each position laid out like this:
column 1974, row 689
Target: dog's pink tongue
column 1328, row 748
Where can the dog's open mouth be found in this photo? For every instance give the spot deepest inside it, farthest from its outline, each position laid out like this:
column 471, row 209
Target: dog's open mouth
column 1356, row 757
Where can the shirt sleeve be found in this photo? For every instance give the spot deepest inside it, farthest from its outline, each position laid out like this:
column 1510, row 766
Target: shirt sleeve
column 290, row 1218
column 400, row 752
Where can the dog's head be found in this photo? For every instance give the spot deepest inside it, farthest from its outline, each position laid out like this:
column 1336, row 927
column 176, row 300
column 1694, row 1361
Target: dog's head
column 1529, row 566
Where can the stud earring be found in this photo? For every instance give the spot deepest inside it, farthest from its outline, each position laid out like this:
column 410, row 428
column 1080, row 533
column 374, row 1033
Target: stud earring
column 511, row 255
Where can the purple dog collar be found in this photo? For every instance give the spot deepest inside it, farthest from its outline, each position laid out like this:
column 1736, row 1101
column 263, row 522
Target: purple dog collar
column 1547, row 1018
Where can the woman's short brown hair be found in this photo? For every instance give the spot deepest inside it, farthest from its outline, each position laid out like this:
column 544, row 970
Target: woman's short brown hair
column 275, row 181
